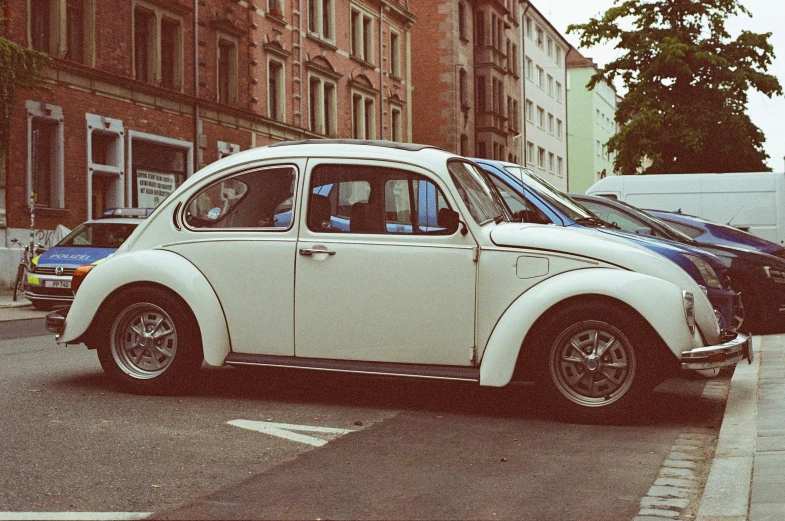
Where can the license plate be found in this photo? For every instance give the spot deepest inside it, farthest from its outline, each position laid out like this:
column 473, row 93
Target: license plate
column 65, row 284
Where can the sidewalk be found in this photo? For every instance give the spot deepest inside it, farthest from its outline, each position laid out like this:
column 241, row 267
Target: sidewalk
column 747, row 477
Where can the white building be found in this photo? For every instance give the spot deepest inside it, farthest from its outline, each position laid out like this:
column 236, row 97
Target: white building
column 543, row 142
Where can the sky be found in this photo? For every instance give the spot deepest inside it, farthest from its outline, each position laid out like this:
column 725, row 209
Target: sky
column 768, row 16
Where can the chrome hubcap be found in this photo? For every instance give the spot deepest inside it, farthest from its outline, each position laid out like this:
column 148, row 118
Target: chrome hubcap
column 143, row 341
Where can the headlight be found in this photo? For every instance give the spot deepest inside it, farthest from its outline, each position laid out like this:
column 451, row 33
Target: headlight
column 707, row 272
column 689, row 309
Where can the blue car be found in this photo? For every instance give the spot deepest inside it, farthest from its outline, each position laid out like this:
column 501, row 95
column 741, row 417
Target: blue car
column 48, row 284
column 532, row 199
column 708, row 232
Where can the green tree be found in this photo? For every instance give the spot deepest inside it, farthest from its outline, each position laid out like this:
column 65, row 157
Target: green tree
column 686, row 82
column 19, row 68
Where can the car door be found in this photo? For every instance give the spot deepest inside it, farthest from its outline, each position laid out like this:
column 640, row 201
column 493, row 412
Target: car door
column 377, row 279
column 239, row 233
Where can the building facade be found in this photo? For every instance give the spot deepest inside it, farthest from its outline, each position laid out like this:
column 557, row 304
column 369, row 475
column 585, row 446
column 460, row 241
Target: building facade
column 543, row 91
column 466, row 65
column 592, row 116
column 143, row 93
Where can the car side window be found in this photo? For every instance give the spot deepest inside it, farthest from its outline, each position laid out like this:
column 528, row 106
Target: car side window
column 259, row 198
column 611, row 215
column 519, row 206
column 686, row 230
column 361, row 199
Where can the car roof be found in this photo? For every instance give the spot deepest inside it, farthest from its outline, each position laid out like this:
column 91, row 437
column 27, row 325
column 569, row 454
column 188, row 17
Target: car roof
column 114, row 220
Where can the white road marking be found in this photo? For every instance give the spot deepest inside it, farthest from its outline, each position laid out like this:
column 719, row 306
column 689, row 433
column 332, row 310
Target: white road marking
column 73, row 516
column 284, row 430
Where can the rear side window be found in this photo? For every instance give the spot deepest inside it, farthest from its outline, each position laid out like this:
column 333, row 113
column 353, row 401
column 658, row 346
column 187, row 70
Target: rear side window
column 259, row 198
column 362, row 199
column 686, row 230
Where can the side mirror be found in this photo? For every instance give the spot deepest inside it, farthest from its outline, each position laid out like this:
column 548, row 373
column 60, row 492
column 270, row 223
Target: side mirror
column 449, row 219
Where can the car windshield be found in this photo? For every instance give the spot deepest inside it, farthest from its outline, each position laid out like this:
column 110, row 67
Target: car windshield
column 674, row 234
column 551, row 194
column 478, row 193
column 98, row 235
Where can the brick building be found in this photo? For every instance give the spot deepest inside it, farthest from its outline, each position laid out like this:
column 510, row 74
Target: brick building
column 145, row 92
column 466, row 65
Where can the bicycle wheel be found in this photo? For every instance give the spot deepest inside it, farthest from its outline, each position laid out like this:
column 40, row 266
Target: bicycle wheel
column 20, row 277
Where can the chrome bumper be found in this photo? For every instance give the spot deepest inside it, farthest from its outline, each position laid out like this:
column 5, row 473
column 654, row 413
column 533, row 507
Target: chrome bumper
column 710, row 357
column 55, row 321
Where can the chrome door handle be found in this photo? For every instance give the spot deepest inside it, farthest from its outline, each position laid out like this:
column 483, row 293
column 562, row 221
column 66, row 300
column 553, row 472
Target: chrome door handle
column 315, row 251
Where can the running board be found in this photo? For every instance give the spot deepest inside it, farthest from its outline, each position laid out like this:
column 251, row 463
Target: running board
column 437, row 372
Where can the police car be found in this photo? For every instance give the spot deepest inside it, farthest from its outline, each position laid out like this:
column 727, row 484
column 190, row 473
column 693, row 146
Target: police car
column 48, row 284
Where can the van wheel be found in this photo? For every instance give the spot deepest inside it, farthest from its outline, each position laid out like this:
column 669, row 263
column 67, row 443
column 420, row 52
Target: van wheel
column 152, row 345
column 593, row 364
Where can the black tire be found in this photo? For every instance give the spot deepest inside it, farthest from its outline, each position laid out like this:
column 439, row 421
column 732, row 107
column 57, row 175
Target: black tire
column 594, row 363
column 19, row 283
column 160, row 360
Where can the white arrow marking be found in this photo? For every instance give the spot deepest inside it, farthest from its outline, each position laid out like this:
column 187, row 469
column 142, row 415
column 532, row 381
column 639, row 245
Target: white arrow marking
column 284, row 430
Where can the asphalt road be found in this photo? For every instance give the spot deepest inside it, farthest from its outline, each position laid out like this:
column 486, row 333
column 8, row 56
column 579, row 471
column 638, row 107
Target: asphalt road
column 396, row 449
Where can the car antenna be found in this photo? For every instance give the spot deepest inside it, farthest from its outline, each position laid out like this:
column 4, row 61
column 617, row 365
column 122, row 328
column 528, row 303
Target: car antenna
column 734, row 215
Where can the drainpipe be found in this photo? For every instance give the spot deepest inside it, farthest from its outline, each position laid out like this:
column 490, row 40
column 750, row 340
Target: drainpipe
column 381, row 71
column 197, row 150
column 524, row 121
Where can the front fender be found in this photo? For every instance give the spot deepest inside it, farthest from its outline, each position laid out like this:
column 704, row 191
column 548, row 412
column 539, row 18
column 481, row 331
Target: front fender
column 659, row 302
column 159, row 267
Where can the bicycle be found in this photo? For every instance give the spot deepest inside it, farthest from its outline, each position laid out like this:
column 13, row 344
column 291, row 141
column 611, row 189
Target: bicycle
column 24, row 267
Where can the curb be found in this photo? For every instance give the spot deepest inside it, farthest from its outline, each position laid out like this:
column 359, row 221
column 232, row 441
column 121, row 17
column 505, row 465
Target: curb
column 726, row 496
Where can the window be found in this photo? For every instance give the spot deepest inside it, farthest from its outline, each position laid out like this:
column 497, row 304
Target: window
column 530, row 152
column 479, row 29
column 540, row 77
column 461, row 21
column 515, row 60
column 362, row 36
column 481, row 93
column 464, row 150
column 538, row 34
column 105, row 164
column 396, row 127
column 321, row 19
column 550, row 124
column 227, row 70
column 540, row 117
column 275, row 7
column 558, row 91
column 540, row 157
column 549, row 47
column 529, row 68
column 361, row 199
column 276, row 104
column 322, row 105
column 529, row 111
column 363, row 116
column 550, row 162
column 395, row 54
column 45, row 152
column 558, row 55
column 63, row 28
column 550, row 85
column 559, row 130
column 463, row 88
column 559, row 166
column 158, row 51
column 528, row 26
column 261, row 198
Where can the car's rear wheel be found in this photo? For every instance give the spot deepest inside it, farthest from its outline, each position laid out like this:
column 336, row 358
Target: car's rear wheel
column 152, row 342
column 594, row 364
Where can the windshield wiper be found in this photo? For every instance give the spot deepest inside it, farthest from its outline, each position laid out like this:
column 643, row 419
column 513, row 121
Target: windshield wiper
column 594, row 221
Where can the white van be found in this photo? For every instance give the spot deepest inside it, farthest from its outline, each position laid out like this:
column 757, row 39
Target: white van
column 754, row 202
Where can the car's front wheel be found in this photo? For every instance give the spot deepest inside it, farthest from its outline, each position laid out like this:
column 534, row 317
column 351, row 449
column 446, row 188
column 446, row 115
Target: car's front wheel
column 594, row 362
column 152, row 342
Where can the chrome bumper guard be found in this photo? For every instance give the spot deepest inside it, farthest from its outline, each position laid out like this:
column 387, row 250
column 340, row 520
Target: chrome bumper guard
column 55, row 321
column 731, row 352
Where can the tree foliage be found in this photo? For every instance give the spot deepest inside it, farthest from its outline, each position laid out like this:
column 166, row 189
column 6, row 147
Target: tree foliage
column 687, row 82
column 19, row 68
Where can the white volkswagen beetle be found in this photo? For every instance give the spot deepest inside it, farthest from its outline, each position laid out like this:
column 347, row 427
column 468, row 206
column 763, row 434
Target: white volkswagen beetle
column 386, row 258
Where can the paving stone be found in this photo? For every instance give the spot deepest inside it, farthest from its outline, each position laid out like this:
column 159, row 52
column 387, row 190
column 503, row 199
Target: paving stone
column 672, row 472
column 767, row 512
column 658, row 513
column 664, row 502
column 770, row 443
column 686, row 448
column 673, row 482
column 679, row 464
column 766, row 492
column 683, row 456
column 668, row 491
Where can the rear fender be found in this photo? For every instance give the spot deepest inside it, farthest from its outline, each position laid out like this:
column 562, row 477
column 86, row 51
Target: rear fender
column 659, row 303
column 155, row 267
